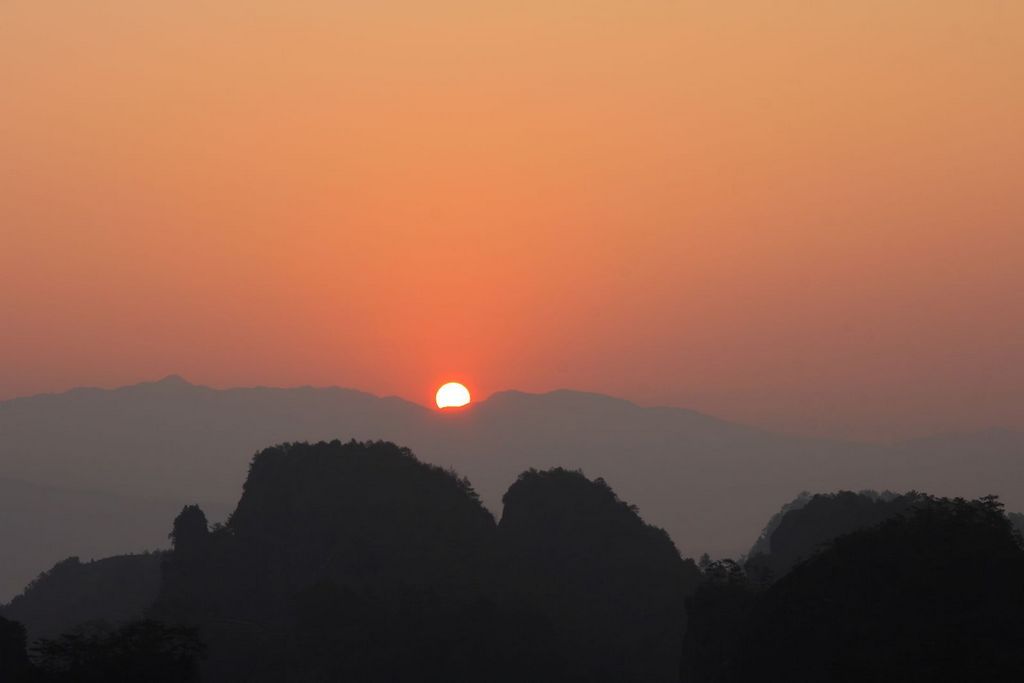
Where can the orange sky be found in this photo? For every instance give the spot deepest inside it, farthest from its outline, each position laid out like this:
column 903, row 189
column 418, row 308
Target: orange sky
column 804, row 215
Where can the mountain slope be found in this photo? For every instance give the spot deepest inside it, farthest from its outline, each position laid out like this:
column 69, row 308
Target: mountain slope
column 113, row 589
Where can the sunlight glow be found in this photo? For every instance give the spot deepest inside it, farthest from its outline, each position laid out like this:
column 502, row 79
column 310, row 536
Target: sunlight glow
column 452, row 395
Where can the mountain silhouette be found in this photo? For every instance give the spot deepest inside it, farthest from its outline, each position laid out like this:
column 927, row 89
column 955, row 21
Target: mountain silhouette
column 351, row 561
column 570, row 550
column 807, row 527
column 162, row 444
column 932, row 594
column 114, row 590
column 357, row 561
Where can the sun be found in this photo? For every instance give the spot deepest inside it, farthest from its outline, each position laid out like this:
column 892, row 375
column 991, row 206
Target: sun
column 452, row 395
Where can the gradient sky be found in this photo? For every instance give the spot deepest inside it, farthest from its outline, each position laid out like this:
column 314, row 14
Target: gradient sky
column 803, row 215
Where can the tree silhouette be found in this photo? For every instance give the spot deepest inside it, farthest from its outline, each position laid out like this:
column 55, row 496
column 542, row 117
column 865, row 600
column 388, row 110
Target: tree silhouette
column 715, row 612
column 139, row 652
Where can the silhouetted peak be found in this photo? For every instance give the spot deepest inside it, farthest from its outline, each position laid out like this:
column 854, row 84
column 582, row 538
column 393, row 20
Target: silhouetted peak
column 190, row 529
column 806, row 525
column 371, row 489
column 875, row 604
column 366, row 513
column 559, row 500
column 569, row 489
column 586, row 560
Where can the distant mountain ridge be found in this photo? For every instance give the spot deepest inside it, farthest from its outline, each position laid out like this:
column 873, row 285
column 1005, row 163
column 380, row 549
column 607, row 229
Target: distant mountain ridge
column 709, row 482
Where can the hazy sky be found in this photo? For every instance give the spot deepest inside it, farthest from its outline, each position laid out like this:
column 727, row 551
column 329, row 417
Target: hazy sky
column 805, row 215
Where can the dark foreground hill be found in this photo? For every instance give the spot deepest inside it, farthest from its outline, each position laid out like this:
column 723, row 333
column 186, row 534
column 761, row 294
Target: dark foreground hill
column 932, row 594
column 709, row 483
column 114, row 589
column 571, row 551
column 807, row 525
column 358, row 562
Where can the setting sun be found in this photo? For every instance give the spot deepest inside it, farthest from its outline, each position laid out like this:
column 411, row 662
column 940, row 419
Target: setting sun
column 452, row 395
